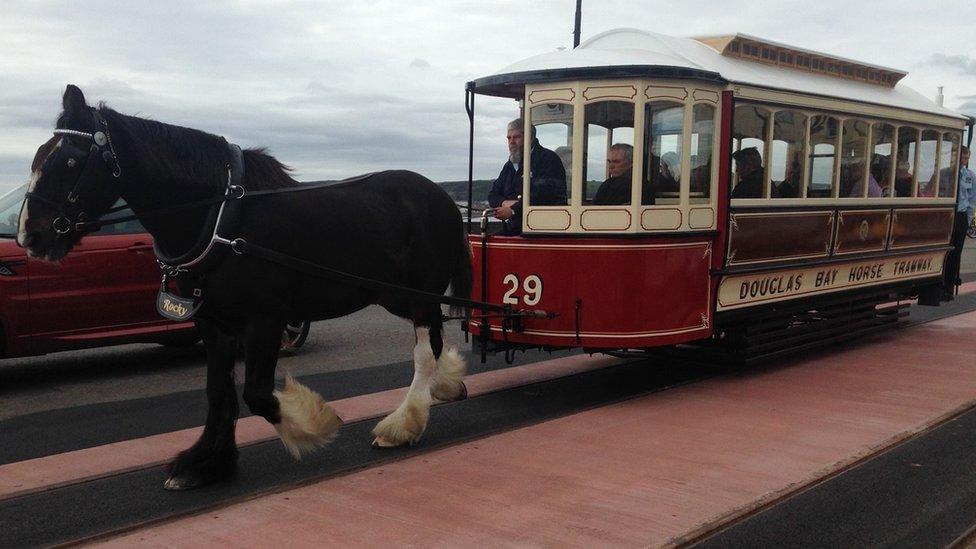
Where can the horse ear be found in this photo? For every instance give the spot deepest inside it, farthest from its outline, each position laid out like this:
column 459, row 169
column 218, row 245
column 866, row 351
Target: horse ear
column 73, row 100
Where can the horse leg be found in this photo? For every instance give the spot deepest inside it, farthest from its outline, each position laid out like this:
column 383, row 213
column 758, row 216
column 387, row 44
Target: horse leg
column 214, row 456
column 436, row 375
column 447, row 386
column 302, row 417
column 406, row 424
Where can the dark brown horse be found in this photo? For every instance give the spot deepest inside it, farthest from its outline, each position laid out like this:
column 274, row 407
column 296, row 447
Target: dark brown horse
column 394, row 227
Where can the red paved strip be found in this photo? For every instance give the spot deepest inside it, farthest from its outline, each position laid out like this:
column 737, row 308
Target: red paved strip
column 649, row 471
column 81, row 465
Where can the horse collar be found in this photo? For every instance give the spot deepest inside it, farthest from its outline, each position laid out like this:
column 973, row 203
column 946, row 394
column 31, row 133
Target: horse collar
column 223, row 217
column 205, row 254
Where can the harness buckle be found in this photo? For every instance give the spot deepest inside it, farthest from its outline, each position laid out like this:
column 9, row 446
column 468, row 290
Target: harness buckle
column 61, row 225
column 235, row 245
column 236, row 192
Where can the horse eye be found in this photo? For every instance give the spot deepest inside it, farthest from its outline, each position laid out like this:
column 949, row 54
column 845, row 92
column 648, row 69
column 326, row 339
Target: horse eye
column 72, row 162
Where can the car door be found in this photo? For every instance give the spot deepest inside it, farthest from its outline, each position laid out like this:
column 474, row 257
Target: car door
column 14, row 297
column 106, row 284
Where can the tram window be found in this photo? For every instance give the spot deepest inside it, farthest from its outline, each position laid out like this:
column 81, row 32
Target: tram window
column 928, row 163
column 853, row 161
column 949, row 162
column 607, row 123
column 702, row 137
column 553, row 124
column 823, row 137
column 882, row 137
column 786, row 153
column 662, row 150
column 905, row 167
column 749, row 129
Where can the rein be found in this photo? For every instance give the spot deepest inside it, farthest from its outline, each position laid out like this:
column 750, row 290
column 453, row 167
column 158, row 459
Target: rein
column 176, row 308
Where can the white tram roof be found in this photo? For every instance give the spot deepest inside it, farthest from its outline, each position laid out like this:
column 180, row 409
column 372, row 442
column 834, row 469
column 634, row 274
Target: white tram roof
column 633, row 53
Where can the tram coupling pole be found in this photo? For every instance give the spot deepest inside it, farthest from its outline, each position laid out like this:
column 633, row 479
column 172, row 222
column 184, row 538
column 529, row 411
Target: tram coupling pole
column 537, row 313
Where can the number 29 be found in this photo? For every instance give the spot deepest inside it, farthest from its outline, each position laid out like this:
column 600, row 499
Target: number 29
column 532, row 286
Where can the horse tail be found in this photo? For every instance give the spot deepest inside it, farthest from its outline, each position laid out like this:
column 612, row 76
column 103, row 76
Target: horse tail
column 461, row 277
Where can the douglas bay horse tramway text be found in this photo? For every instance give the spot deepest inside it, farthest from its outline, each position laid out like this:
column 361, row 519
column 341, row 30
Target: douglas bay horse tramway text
column 396, row 228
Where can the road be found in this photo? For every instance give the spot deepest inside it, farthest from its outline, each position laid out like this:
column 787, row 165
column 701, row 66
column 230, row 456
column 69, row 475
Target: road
column 368, row 338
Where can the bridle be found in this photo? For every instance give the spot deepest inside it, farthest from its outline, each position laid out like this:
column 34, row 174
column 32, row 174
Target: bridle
column 71, row 217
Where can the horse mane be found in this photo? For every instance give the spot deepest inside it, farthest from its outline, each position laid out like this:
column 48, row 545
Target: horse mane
column 190, row 158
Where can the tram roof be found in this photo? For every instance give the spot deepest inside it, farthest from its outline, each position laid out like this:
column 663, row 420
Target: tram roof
column 633, row 53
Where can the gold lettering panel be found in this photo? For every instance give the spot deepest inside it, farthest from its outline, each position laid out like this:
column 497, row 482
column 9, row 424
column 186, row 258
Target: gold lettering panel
column 739, row 291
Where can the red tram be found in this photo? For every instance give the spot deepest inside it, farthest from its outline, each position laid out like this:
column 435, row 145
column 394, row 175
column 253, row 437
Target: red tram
column 850, row 207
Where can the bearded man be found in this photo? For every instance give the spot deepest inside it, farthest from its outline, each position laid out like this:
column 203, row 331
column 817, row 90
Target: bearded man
column 547, row 180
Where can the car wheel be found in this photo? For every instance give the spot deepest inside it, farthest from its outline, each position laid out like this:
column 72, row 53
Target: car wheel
column 294, row 335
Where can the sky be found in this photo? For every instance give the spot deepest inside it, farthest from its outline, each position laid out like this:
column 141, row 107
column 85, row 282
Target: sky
column 334, row 89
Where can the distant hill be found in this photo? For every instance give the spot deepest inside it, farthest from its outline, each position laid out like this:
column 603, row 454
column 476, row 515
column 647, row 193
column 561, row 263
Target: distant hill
column 459, row 190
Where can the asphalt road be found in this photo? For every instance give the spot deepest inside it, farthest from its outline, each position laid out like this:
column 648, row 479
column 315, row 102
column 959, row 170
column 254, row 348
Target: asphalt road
column 368, row 338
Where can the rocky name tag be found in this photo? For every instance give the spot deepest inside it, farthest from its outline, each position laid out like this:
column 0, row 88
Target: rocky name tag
column 176, row 308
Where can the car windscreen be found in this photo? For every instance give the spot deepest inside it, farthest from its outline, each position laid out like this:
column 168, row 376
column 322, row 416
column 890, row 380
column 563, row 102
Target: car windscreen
column 10, row 211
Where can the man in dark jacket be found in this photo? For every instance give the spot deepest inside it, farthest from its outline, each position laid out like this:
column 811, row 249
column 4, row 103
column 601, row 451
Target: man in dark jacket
column 749, row 169
column 547, row 180
column 616, row 188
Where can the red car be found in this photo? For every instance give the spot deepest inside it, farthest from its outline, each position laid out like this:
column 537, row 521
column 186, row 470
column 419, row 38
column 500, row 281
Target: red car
column 102, row 293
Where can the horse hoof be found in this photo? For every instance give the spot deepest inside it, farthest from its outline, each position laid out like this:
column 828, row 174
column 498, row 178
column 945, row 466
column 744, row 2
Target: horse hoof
column 381, row 443
column 464, row 392
column 177, row 484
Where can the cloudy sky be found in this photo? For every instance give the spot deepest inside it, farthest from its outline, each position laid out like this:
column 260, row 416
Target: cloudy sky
column 340, row 88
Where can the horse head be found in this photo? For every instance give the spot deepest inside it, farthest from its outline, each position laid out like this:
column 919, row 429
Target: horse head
column 74, row 178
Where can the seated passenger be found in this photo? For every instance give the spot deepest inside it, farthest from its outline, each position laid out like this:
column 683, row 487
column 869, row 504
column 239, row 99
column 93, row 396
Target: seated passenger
column 880, row 165
column 666, row 180
column 749, row 171
column 851, row 187
column 616, row 189
column 547, row 180
column 903, row 179
column 789, row 187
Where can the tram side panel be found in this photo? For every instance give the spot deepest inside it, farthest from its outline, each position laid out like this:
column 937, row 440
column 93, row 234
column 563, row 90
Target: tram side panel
column 608, row 293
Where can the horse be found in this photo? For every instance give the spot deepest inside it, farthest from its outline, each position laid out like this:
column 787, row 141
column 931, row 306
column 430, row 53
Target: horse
column 187, row 187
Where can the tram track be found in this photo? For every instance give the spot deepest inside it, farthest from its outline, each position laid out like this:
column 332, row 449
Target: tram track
column 747, row 527
column 265, row 468
column 135, row 499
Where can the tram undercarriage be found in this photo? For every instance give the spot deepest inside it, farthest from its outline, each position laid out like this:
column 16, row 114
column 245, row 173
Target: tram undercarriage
column 754, row 335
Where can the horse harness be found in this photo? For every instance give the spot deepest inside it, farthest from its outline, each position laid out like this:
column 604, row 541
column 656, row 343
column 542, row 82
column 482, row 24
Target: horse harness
column 101, row 146
column 224, row 216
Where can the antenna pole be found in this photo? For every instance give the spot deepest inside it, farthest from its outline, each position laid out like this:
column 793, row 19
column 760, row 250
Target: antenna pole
column 576, row 30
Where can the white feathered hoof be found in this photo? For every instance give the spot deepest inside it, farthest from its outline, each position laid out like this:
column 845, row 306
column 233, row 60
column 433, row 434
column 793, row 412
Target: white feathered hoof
column 403, row 427
column 307, row 421
column 447, row 385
